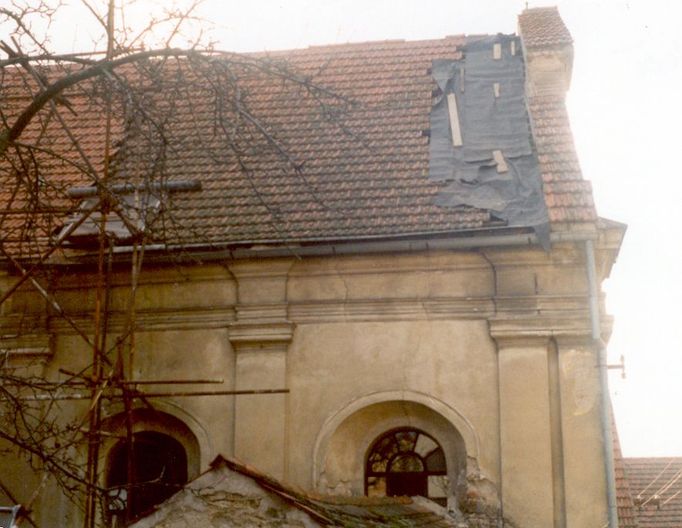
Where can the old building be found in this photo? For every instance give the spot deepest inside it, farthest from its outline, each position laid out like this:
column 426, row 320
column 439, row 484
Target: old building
column 417, row 289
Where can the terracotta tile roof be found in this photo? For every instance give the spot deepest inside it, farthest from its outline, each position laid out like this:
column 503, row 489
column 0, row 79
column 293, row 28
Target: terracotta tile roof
column 24, row 190
column 542, row 26
column 656, row 485
column 362, row 170
column 627, row 515
column 567, row 195
column 354, row 166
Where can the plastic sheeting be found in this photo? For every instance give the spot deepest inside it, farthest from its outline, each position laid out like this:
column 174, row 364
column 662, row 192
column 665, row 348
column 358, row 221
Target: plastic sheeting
column 493, row 116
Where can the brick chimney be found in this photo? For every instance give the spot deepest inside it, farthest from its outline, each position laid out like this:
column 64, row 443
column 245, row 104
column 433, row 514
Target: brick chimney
column 548, row 49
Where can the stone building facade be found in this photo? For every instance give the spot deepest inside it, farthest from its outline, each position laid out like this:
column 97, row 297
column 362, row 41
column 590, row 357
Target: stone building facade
column 438, row 351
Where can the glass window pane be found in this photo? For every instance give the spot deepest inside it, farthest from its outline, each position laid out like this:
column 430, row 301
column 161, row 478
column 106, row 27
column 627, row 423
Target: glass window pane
column 405, row 463
column 425, row 444
column 436, row 461
column 438, row 486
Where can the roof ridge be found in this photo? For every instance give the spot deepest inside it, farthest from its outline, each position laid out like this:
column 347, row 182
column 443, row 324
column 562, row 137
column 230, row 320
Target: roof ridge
column 359, row 43
column 541, row 8
column 362, row 44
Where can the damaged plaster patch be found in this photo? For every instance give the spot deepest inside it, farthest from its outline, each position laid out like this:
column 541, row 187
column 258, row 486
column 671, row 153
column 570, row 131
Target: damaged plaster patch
column 337, row 487
column 580, row 371
column 220, row 499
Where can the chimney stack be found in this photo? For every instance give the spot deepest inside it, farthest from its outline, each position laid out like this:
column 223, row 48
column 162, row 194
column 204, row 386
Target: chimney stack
column 548, row 51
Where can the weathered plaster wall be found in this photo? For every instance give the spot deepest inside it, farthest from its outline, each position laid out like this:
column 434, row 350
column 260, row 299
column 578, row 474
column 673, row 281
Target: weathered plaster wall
column 348, row 361
column 463, row 339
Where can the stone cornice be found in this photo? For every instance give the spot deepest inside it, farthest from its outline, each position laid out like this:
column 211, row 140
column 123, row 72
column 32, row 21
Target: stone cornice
column 505, row 313
column 261, row 312
column 538, row 326
column 25, row 349
column 390, row 310
column 27, row 353
column 153, row 320
column 574, row 328
column 244, row 333
column 435, row 308
column 249, row 269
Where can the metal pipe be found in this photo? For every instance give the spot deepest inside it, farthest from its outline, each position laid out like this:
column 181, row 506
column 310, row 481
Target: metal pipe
column 607, row 433
column 174, row 394
column 139, row 394
column 127, row 188
column 56, row 384
column 170, row 382
column 500, row 470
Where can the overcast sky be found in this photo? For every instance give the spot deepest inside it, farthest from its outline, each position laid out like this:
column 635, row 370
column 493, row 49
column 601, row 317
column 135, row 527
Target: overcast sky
column 625, row 107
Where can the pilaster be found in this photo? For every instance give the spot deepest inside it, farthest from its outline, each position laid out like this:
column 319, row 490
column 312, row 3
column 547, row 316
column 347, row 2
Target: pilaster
column 525, row 431
column 581, row 426
column 551, row 442
column 260, row 337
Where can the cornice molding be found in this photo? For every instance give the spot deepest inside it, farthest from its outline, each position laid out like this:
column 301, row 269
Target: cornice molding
column 25, row 349
column 572, row 329
column 390, row 310
column 506, row 313
column 244, row 333
column 255, row 269
column 152, row 320
column 538, row 326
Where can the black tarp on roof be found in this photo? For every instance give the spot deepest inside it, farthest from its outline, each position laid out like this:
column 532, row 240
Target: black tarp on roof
column 495, row 167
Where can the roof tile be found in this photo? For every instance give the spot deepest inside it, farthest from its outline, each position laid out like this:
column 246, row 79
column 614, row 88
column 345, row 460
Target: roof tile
column 354, row 159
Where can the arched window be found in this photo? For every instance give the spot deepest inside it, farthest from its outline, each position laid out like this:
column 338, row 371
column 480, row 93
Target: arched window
column 157, row 465
column 406, row 462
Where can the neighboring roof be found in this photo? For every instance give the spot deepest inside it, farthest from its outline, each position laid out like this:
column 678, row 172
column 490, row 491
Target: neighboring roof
column 356, row 166
column 217, row 494
column 656, row 485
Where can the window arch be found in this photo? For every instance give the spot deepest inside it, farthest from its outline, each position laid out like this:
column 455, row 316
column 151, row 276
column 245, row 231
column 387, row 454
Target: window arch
column 408, row 462
column 158, row 466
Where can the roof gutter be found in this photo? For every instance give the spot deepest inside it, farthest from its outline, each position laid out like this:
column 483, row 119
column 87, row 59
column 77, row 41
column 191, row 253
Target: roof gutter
column 203, row 252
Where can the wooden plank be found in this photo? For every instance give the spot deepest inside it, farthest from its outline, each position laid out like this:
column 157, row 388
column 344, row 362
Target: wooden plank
column 496, row 90
column 454, row 121
column 461, row 79
column 499, row 159
column 497, row 51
